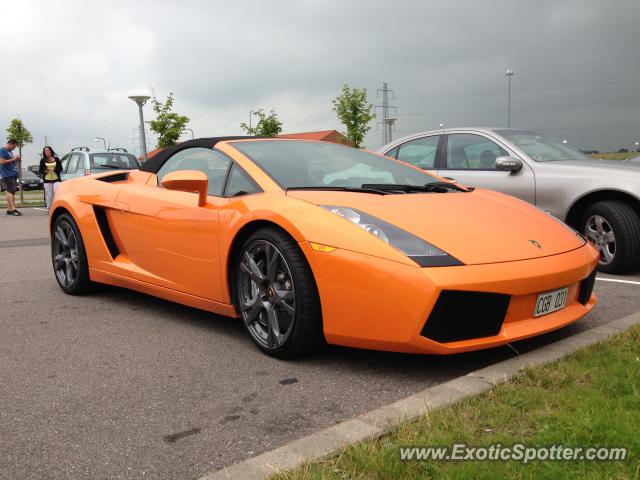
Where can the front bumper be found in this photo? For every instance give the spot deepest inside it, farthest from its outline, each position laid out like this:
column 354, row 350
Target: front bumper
column 369, row 302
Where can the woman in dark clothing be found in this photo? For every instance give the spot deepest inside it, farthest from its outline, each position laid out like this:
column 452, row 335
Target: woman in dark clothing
column 50, row 170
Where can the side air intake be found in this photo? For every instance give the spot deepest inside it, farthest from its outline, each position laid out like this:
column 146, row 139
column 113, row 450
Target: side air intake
column 116, row 177
column 105, row 230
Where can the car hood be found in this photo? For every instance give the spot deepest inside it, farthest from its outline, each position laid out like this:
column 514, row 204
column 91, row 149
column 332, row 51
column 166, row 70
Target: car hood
column 478, row 227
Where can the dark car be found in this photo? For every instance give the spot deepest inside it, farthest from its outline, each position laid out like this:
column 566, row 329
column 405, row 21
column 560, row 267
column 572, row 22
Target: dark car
column 30, row 181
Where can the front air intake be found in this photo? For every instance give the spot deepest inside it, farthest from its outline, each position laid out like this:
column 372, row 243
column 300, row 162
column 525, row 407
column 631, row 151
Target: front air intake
column 586, row 287
column 461, row 315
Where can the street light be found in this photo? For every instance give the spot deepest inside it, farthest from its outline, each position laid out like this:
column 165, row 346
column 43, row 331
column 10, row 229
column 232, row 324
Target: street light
column 140, row 101
column 250, row 113
column 637, row 145
column 104, row 142
column 564, row 142
column 509, row 74
column 190, row 130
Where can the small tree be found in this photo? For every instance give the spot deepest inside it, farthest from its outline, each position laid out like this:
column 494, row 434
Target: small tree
column 168, row 125
column 20, row 134
column 267, row 126
column 354, row 112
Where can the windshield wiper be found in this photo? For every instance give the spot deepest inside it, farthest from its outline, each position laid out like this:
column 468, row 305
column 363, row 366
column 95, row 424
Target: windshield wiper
column 445, row 185
column 438, row 187
column 363, row 189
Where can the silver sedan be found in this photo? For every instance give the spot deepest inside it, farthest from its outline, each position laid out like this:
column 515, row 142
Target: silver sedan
column 600, row 198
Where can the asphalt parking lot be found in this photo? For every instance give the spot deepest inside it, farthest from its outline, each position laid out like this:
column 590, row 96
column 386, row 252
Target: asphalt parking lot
column 121, row 385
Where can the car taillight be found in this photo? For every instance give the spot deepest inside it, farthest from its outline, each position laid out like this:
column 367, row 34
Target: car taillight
column 87, row 172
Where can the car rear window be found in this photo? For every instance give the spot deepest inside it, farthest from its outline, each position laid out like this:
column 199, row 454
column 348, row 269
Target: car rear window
column 106, row 161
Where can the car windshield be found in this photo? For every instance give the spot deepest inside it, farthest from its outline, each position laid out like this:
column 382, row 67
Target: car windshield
column 541, row 148
column 300, row 164
column 105, row 161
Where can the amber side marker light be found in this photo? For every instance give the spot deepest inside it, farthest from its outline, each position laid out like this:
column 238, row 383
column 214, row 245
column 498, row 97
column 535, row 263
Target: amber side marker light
column 319, row 247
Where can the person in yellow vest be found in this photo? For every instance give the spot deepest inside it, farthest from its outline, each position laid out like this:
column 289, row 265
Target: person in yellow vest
column 50, row 171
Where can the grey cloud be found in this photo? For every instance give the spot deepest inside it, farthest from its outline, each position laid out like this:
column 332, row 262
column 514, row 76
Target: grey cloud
column 72, row 64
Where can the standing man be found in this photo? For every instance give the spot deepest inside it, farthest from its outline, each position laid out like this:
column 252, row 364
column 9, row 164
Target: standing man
column 9, row 174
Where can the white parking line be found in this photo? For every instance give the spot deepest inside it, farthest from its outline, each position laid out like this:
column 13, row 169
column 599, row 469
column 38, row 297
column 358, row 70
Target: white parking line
column 617, row 281
column 38, row 208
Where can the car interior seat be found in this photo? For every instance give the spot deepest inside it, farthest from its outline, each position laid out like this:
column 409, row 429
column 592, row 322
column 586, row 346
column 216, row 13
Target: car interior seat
column 488, row 159
column 457, row 158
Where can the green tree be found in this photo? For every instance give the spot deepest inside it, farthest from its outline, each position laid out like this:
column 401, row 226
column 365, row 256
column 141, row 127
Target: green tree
column 354, row 112
column 168, row 125
column 20, row 134
column 267, row 126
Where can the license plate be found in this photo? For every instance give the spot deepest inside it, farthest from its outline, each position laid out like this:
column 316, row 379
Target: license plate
column 551, row 302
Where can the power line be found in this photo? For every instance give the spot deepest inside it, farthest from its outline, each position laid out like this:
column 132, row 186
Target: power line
column 546, row 129
column 311, row 118
column 589, row 126
column 544, row 107
column 538, row 88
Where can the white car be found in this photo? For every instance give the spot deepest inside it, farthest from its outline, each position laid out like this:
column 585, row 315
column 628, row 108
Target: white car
column 81, row 161
column 599, row 198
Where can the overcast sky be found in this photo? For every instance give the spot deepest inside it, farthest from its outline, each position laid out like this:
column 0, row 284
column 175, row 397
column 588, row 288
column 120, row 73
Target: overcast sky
column 69, row 66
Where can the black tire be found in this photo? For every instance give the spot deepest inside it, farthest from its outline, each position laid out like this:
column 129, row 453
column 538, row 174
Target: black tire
column 257, row 298
column 69, row 258
column 624, row 223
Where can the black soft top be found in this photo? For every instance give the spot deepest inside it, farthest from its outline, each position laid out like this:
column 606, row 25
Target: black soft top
column 155, row 163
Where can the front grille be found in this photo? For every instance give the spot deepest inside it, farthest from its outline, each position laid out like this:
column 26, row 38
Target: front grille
column 586, row 287
column 460, row 315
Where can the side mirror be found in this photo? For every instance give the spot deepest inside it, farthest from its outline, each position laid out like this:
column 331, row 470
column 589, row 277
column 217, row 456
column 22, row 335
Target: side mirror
column 508, row 164
column 188, row 181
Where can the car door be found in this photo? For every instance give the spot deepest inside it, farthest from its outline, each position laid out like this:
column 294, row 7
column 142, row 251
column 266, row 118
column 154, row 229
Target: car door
column 470, row 159
column 173, row 241
column 419, row 152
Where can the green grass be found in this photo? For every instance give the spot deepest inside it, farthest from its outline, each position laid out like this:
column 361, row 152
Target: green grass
column 32, row 198
column 615, row 155
column 591, row 398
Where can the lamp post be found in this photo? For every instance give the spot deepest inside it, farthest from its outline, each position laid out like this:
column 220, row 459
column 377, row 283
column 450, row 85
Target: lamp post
column 140, row 101
column 637, row 145
column 104, row 142
column 250, row 113
column 509, row 74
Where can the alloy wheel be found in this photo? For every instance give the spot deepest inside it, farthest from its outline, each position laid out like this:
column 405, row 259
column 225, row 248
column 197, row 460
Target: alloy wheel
column 266, row 294
column 65, row 254
column 599, row 231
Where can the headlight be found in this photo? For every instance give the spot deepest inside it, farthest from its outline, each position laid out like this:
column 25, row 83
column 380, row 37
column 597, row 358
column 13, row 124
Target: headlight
column 421, row 252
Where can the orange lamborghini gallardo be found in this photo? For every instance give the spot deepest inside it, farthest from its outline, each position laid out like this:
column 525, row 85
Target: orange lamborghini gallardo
column 312, row 242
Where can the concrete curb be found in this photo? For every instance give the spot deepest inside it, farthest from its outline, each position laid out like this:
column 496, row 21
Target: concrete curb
column 377, row 422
